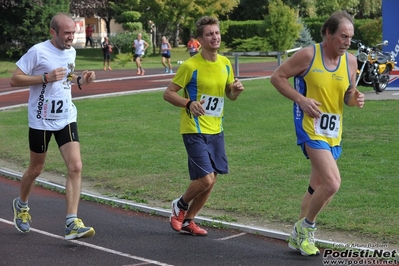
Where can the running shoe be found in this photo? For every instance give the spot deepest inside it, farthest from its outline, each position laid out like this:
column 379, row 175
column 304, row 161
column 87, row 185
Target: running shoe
column 110, row 68
column 142, row 72
column 166, row 70
column 193, row 228
column 138, row 72
column 305, row 240
column 177, row 217
column 292, row 239
column 21, row 217
column 78, row 230
column 171, row 71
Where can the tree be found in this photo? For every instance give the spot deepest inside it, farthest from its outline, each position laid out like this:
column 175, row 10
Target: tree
column 281, row 27
column 169, row 16
column 25, row 23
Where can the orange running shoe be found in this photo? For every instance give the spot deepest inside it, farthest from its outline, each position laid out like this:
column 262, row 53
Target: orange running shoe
column 138, row 72
column 110, row 68
column 142, row 72
column 177, row 217
column 193, row 229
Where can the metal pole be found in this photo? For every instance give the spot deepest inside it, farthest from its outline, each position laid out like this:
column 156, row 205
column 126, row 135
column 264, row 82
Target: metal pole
column 236, row 65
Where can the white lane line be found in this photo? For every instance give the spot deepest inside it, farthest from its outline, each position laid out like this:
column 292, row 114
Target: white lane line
column 230, row 237
column 122, row 254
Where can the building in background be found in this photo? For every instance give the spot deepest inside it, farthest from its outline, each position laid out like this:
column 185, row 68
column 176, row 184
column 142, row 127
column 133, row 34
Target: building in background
column 99, row 30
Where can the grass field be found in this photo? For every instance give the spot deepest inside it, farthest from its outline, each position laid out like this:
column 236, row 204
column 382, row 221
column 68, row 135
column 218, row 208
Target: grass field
column 93, row 59
column 131, row 148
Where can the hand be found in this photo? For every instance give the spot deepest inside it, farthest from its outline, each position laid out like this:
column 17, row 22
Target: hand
column 88, row 76
column 237, row 88
column 360, row 98
column 56, row 74
column 196, row 108
column 310, row 107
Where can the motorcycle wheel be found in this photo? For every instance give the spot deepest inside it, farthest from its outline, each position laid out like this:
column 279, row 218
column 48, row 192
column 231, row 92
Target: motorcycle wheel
column 383, row 82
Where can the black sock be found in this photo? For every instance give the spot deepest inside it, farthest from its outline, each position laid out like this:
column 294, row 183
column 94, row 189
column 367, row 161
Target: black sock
column 182, row 205
column 187, row 221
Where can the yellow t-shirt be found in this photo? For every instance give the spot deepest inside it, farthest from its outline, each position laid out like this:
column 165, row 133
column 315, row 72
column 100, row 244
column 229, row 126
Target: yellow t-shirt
column 205, row 80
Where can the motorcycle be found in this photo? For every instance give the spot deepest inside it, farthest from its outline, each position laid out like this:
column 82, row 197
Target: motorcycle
column 373, row 66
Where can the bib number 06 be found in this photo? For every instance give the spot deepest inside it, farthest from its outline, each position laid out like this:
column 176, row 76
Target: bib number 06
column 327, row 125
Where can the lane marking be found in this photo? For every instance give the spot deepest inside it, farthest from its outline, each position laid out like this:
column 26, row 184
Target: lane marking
column 230, row 237
column 111, row 251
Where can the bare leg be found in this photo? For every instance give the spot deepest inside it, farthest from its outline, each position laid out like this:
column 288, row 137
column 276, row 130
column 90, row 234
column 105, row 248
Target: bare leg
column 36, row 165
column 198, row 193
column 71, row 154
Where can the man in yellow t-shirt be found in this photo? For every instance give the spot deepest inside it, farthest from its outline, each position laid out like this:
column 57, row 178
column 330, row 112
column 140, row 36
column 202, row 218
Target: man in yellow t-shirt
column 205, row 79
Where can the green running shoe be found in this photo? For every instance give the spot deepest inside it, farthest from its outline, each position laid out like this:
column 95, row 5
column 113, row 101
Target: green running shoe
column 305, row 240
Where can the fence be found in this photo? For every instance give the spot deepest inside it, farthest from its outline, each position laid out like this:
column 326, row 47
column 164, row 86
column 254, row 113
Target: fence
column 265, row 54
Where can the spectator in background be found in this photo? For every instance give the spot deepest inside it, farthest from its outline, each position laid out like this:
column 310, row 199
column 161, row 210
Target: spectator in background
column 89, row 33
column 107, row 50
column 193, row 45
column 165, row 52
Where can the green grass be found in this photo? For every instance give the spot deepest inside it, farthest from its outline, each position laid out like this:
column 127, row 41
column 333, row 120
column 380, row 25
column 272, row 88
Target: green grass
column 92, row 59
column 131, row 148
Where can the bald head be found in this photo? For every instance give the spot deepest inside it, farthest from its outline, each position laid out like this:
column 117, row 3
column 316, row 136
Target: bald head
column 58, row 19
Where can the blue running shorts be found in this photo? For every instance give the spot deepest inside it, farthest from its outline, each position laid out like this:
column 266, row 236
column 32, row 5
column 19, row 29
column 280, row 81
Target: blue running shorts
column 206, row 154
column 322, row 145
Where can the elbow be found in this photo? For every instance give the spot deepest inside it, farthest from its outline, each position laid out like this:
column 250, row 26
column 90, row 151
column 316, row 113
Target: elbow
column 13, row 83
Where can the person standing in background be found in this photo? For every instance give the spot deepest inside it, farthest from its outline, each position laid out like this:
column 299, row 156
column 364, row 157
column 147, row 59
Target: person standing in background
column 206, row 79
column 324, row 80
column 140, row 46
column 48, row 69
column 165, row 53
column 89, row 33
column 107, row 50
column 193, row 45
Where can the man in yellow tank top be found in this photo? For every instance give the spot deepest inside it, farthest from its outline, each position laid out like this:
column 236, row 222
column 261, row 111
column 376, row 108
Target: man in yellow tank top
column 205, row 79
column 324, row 77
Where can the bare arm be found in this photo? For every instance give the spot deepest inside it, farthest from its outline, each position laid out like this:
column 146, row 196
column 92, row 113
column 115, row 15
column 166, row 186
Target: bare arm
column 296, row 65
column 353, row 97
column 233, row 90
column 20, row 79
column 170, row 95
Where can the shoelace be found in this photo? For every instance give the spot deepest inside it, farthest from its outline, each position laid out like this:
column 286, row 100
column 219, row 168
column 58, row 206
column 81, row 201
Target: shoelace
column 311, row 237
column 25, row 216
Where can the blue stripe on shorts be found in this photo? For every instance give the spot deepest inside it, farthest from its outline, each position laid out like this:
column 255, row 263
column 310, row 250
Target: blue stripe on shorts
column 322, row 145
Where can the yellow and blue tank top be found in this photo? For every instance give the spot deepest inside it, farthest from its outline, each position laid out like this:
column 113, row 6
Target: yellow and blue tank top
column 327, row 87
column 204, row 80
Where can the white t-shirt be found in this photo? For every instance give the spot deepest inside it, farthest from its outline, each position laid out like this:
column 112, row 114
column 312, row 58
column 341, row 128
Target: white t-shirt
column 49, row 108
column 139, row 46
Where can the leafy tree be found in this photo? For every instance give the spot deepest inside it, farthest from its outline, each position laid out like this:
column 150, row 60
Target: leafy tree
column 281, row 28
column 126, row 14
column 25, row 23
column 169, row 16
column 305, row 37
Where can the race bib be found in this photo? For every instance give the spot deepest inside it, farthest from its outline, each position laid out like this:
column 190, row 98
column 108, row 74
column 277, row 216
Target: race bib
column 56, row 108
column 213, row 105
column 327, row 125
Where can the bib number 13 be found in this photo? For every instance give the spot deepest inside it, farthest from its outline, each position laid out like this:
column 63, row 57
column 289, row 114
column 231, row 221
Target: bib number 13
column 327, row 125
column 213, row 105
